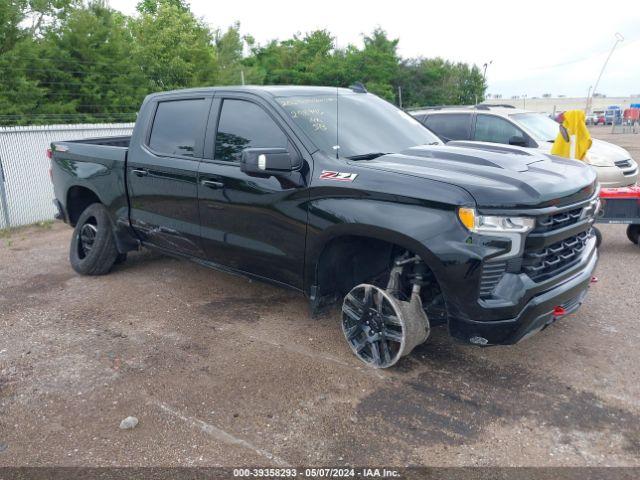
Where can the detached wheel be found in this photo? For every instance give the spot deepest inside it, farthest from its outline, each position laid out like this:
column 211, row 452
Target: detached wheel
column 93, row 249
column 373, row 325
column 633, row 233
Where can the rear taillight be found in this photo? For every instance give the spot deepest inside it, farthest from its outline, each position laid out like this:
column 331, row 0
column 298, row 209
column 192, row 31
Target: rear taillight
column 49, row 153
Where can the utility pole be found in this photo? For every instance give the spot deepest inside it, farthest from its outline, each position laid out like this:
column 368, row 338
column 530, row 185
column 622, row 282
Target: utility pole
column 399, row 96
column 3, row 199
column 242, row 76
column 586, row 107
column 484, row 71
column 484, row 75
column 619, row 38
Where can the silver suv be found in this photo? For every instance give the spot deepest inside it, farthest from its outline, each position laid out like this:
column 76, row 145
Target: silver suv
column 505, row 124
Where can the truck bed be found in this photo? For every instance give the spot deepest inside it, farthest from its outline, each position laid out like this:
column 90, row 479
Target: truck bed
column 121, row 141
column 104, row 150
column 94, row 165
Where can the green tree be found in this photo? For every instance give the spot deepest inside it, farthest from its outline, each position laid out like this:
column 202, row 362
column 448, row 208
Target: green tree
column 435, row 81
column 87, row 67
column 11, row 14
column 376, row 65
column 81, row 61
column 173, row 48
column 152, row 6
column 231, row 65
column 23, row 22
column 297, row 61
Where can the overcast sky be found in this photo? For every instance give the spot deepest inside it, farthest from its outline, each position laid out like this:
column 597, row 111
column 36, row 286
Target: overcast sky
column 536, row 47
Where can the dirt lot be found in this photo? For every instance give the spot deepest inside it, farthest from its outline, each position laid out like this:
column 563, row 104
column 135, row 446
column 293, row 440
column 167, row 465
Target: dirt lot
column 629, row 141
column 223, row 371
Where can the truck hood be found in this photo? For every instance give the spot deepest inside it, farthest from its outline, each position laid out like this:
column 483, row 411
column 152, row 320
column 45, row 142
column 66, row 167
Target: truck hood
column 496, row 176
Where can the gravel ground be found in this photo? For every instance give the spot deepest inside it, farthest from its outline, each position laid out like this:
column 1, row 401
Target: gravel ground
column 221, row 371
column 629, row 141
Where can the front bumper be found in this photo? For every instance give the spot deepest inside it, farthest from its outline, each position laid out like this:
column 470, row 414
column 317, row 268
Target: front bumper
column 539, row 312
column 614, row 177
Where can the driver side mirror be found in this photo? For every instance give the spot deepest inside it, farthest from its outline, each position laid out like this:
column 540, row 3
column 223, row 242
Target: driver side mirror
column 518, row 141
column 267, row 161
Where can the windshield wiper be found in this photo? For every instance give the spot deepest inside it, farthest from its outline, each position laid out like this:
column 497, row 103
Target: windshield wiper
column 367, row 156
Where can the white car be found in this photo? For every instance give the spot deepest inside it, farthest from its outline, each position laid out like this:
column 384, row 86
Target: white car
column 505, row 124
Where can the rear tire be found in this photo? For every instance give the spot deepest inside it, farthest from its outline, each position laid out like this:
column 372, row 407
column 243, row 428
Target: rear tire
column 93, row 248
column 633, row 233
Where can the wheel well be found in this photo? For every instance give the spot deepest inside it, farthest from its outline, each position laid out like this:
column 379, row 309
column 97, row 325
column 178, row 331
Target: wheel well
column 78, row 199
column 350, row 260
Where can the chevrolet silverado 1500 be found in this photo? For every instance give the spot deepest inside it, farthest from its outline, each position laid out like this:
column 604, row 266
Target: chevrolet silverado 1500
column 345, row 198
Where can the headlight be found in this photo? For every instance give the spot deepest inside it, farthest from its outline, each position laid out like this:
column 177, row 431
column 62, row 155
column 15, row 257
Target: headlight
column 491, row 224
column 598, row 160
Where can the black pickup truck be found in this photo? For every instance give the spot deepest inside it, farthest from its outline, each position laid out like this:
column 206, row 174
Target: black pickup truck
column 342, row 196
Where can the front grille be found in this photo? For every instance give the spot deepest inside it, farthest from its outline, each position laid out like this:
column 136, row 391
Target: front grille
column 548, row 223
column 623, row 163
column 492, row 272
column 552, row 260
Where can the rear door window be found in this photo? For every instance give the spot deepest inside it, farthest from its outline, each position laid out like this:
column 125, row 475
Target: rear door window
column 178, row 127
column 450, row 126
column 491, row 128
column 244, row 124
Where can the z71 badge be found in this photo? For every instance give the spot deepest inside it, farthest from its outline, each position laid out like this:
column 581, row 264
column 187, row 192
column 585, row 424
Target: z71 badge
column 338, row 176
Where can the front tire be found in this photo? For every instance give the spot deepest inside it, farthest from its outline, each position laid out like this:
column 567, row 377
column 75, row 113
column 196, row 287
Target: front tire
column 93, row 248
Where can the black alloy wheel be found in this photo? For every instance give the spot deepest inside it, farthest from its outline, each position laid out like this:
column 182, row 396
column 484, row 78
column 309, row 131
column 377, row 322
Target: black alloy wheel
column 373, row 326
column 87, row 237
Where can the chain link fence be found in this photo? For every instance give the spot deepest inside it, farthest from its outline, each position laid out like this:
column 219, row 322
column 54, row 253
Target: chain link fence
column 26, row 192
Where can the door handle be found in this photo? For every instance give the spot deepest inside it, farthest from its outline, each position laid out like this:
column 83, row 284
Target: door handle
column 212, row 184
column 140, row 172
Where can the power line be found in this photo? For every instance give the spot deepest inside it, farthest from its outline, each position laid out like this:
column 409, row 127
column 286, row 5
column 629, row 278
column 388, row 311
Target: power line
column 583, row 58
column 65, row 94
column 135, row 69
column 58, row 60
column 78, row 114
column 76, row 84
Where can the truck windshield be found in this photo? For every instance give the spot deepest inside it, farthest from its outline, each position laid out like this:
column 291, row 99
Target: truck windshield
column 358, row 125
column 539, row 126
